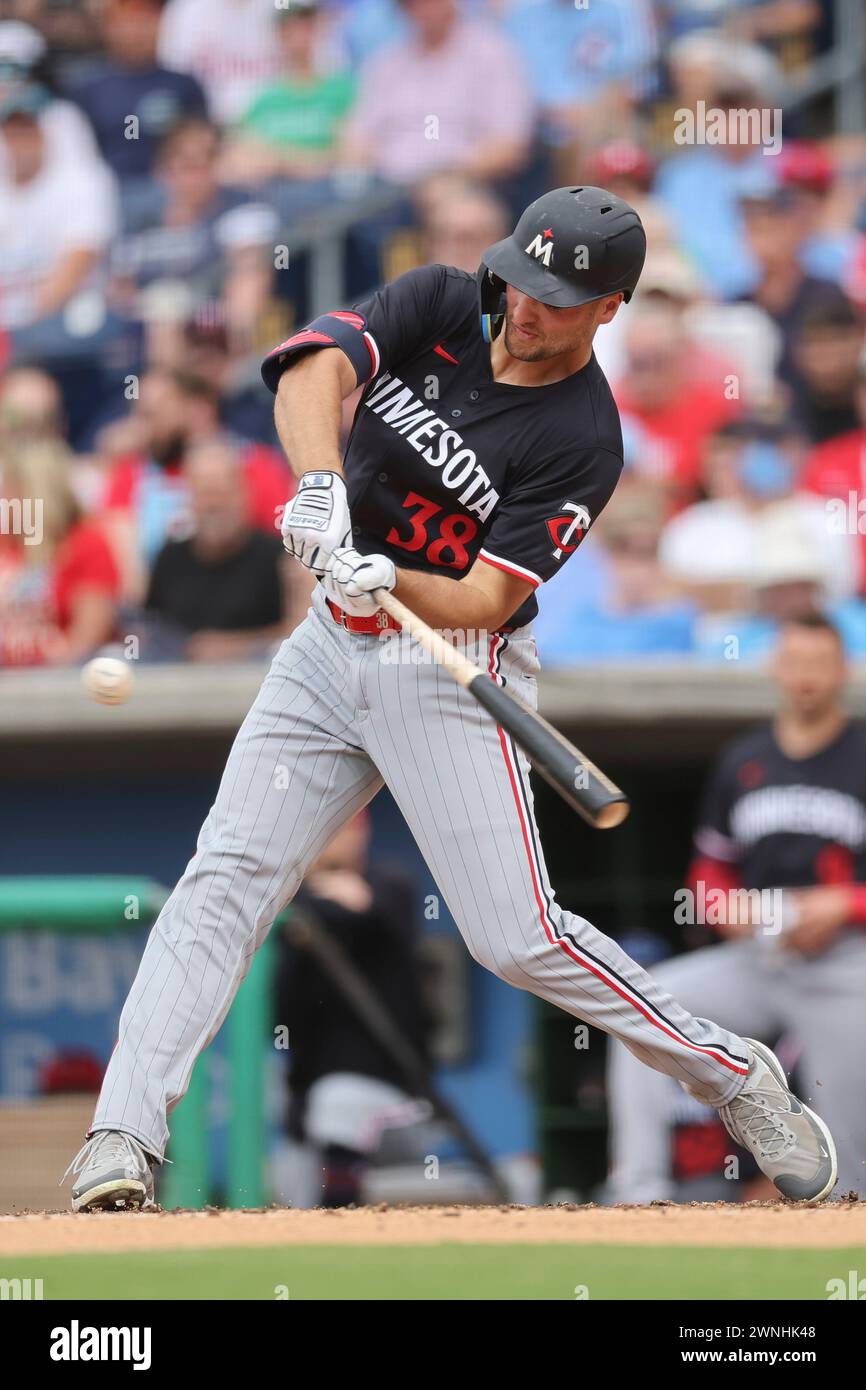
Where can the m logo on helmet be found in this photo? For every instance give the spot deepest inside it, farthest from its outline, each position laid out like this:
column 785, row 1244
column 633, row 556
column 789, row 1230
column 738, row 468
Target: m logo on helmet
column 540, row 249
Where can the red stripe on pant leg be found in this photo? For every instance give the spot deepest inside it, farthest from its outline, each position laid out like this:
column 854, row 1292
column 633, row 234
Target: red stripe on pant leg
column 564, row 945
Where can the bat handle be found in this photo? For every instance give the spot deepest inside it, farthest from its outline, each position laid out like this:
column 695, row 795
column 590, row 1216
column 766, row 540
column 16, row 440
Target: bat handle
column 391, row 604
column 463, row 670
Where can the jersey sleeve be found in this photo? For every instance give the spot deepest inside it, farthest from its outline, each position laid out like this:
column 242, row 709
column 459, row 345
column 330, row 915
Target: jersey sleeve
column 713, row 837
column 544, row 518
column 385, row 328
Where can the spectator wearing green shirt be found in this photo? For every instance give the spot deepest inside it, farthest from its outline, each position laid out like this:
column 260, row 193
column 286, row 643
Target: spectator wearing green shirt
column 291, row 130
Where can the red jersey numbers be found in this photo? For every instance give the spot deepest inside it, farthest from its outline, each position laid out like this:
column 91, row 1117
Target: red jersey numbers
column 443, row 539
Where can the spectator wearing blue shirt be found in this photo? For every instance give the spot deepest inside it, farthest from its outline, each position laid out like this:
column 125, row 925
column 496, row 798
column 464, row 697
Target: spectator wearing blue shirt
column 754, row 19
column 805, row 168
column 700, row 185
column 615, row 604
column 131, row 100
column 202, row 248
column 777, row 224
column 588, row 63
column 790, row 580
column 367, row 26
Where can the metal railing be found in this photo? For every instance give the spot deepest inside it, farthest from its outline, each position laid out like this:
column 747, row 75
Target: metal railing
column 321, row 236
column 841, row 70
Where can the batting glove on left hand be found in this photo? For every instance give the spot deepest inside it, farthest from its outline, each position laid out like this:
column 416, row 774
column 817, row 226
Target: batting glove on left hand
column 352, row 577
column 316, row 521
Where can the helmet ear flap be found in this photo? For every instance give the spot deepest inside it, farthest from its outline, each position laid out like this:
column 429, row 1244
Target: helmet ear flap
column 491, row 296
column 491, row 326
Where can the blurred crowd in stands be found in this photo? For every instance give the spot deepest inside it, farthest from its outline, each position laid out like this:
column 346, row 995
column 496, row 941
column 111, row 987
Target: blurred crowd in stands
column 170, row 170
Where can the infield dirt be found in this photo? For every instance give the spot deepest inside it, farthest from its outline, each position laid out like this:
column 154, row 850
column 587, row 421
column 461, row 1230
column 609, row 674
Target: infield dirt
column 759, row 1224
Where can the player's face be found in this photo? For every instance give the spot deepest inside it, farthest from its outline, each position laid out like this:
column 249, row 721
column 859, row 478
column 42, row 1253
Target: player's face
column 535, row 332
column 809, row 669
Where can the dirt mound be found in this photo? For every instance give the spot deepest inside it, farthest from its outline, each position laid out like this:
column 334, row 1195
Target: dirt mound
column 755, row 1224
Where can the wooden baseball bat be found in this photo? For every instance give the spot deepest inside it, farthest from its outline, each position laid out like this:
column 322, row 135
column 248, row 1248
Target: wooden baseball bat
column 579, row 782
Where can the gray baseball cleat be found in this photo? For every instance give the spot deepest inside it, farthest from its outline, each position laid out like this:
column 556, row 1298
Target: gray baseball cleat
column 112, row 1171
column 790, row 1144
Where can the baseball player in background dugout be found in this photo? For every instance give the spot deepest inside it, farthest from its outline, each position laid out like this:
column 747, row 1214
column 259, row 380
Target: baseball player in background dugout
column 485, row 444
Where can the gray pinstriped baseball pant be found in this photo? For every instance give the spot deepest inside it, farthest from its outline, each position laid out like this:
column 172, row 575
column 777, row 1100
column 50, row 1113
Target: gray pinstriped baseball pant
column 338, row 716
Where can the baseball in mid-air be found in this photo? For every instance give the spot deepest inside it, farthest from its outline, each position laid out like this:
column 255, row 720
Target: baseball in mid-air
column 107, row 679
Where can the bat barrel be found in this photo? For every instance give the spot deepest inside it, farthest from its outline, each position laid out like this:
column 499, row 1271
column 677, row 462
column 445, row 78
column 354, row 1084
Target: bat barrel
column 577, row 780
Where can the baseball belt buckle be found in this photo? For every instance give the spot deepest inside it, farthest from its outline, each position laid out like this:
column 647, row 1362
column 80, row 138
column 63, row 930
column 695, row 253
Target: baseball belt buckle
column 344, row 620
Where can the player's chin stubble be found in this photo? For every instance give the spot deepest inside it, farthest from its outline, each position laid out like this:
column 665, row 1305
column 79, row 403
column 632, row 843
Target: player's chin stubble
column 533, row 351
column 542, row 348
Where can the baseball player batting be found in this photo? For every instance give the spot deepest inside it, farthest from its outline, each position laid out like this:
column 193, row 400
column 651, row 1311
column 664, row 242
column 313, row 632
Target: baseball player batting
column 485, row 444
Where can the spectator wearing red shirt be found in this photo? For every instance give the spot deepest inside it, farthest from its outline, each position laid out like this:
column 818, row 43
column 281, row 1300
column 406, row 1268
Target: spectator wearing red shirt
column 146, row 496
column 836, row 470
column 673, row 397
column 58, row 579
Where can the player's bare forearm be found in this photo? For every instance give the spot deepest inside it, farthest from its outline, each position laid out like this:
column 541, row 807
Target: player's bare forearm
column 308, row 410
column 484, row 600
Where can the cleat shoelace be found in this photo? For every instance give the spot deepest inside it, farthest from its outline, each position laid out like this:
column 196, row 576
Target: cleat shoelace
column 110, row 1146
column 759, row 1118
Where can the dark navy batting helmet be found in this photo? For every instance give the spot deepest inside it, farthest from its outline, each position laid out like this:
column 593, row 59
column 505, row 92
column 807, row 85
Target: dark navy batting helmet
column 571, row 246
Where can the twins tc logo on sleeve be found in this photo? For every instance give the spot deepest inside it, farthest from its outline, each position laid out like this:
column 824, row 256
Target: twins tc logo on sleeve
column 568, row 529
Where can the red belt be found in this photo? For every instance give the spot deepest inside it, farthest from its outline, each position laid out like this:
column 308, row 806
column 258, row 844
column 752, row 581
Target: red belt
column 379, row 622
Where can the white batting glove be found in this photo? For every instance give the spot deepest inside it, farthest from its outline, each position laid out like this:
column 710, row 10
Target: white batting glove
column 316, row 521
column 355, row 607
column 352, row 577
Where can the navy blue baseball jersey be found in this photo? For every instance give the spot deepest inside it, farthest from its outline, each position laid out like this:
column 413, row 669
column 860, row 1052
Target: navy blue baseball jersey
column 444, row 464
column 788, row 822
